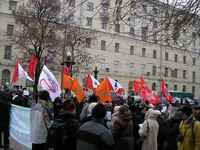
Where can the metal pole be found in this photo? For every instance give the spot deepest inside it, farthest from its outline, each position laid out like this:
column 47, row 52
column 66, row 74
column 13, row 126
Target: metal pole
column 63, row 56
column 161, row 55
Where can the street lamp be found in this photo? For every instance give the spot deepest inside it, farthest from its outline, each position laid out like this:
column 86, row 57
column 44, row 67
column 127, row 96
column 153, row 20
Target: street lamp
column 96, row 71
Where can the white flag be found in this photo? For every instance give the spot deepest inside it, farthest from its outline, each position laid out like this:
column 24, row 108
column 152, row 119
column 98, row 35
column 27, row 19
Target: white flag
column 23, row 74
column 47, row 81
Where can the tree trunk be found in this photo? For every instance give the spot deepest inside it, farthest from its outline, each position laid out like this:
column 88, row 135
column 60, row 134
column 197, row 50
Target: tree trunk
column 37, row 75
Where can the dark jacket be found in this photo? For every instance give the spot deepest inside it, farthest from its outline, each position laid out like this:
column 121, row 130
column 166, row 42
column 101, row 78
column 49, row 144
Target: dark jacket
column 93, row 135
column 122, row 130
column 65, row 127
column 5, row 106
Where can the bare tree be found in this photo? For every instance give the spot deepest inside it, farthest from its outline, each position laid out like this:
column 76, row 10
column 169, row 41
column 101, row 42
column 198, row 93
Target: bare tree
column 36, row 20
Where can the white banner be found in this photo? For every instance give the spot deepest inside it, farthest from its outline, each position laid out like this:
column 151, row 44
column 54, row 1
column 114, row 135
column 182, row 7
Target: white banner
column 20, row 125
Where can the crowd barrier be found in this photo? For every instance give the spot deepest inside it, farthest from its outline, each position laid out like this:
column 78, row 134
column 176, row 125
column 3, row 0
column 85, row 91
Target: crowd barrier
column 20, row 125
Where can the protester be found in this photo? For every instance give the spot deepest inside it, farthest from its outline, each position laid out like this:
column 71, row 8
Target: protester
column 122, row 128
column 93, row 135
column 196, row 111
column 189, row 138
column 66, row 126
column 57, row 105
column 172, row 132
column 149, row 130
column 5, row 106
column 40, row 122
column 86, row 112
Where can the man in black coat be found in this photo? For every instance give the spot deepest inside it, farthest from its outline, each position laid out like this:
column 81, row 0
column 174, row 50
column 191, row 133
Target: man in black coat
column 5, row 105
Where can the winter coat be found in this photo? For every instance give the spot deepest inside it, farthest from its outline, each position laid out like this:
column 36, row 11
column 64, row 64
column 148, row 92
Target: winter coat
column 40, row 123
column 190, row 135
column 122, row 130
column 5, row 106
column 93, row 135
column 149, row 131
column 65, row 129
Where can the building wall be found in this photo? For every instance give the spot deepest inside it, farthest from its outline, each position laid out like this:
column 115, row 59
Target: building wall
column 122, row 66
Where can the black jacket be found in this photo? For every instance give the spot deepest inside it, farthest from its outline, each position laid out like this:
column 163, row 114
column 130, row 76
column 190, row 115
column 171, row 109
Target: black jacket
column 5, row 106
column 65, row 128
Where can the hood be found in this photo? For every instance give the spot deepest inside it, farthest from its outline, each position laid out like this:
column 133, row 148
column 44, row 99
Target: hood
column 154, row 114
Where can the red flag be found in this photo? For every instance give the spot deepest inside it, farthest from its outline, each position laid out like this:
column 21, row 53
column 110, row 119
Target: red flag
column 163, row 88
column 32, row 66
column 142, row 82
column 136, row 86
column 15, row 72
column 155, row 100
column 146, row 93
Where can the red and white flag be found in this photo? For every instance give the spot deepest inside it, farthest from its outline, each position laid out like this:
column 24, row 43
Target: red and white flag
column 19, row 73
column 91, row 82
column 117, row 87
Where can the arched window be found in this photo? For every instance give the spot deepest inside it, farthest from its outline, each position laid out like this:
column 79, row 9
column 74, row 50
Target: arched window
column 5, row 76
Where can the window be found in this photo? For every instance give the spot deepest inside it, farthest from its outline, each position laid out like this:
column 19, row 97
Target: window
column 194, row 61
column 154, row 70
column 193, row 90
column 155, row 24
column 89, row 21
column 5, row 76
column 10, row 29
column 144, row 8
column 166, row 72
column 155, row 11
column 184, row 59
column 184, row 88
column 155, row 38
column 8, row 52
column 143, row 66
column 90, row 6
column 88, row 42
column 184, row 74
column 131, row 66
column 116, row 62
column 72, row 3
column 116, row 47
column 12, row 5
column 103, row 45
column 104, row 24
column 143, row 52
column 144, row 33
column 131, row 50
column 132, row 31
column 166, row 56
column 117, row 27
column 154, row 54
column 153, row 86
column 175, row 58
column 175, row 73
column 175, row 87
column 193, row 76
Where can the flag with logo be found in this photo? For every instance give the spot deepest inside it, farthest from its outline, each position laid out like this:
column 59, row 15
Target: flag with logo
column 47, row 81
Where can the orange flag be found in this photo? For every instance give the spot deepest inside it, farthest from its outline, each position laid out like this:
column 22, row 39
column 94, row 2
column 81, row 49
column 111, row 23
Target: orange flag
column 78, row 91
column 67, row 81
column 104, row 91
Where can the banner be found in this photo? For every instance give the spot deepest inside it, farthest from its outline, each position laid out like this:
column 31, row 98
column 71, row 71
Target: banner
column 20, row 125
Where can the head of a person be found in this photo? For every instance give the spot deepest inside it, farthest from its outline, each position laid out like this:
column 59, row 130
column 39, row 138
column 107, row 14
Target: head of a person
column 99, row 111
column 44, row 95
column 154, row 114
column 186, row 112
column 196, row 109
column 125, row 112
column 92, row 98
column 69, row 106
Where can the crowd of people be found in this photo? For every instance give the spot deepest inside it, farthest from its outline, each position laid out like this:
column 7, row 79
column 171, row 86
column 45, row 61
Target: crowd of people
column 126, row 125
